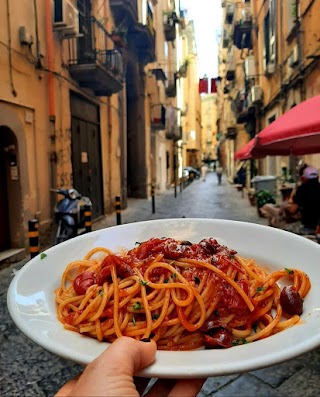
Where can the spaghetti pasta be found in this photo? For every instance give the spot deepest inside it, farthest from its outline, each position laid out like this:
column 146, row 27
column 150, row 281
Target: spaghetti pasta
column 183, row 295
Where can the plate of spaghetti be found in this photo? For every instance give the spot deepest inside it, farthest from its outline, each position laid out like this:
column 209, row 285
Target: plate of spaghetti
column 218, row 297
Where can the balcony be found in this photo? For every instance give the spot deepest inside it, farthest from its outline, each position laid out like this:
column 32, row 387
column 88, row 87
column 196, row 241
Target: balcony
column 169, row 25
column 227, row 35
column 124, row 12
column 231, row 133
column 171, row 89
column 144, row 41
column 95, row 67
column 230, row 67
column 174, row 133
column 242, row 34
column 229, row 13
column 158, row 117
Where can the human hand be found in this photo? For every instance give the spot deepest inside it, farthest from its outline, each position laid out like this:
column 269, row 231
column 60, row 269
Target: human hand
column 111, row 374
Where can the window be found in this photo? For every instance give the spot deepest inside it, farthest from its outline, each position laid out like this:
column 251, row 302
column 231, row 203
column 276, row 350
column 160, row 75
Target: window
column 270, row 44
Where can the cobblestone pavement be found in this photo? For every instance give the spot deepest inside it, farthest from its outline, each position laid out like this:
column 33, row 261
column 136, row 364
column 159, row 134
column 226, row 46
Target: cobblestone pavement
column 28, row 370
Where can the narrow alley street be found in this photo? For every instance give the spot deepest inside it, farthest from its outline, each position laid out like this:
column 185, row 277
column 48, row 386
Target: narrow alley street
column 28, row 370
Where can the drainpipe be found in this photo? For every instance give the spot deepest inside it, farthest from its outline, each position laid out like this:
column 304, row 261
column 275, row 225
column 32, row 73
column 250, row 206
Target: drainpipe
column 51, row 95
column 50, row 56
column 300, row 52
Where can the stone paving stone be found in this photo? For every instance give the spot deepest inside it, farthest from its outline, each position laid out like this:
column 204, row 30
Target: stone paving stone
column 304, row 383
column 278, row 374
column 245, row 385
column 212, row 385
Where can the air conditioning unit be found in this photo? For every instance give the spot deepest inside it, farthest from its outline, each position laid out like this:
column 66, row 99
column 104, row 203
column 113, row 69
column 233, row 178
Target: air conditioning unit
column 293, row 59
column 256, row 94
column 66, row 18
column 270, row 68
column 249, row 67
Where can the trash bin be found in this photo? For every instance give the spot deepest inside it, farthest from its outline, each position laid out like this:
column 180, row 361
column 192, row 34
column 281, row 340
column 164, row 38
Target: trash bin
column 264, row 182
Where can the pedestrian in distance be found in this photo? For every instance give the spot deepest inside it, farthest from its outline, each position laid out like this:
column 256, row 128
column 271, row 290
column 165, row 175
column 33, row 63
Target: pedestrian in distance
column 204, row 170
column 112, row 374
column 219, row 174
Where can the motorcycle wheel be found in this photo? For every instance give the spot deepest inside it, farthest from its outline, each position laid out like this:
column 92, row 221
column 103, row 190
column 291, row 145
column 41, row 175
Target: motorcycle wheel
column 66, row 233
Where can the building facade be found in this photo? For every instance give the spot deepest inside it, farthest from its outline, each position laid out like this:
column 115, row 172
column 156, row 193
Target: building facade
column 83, row 85
column 276, row 67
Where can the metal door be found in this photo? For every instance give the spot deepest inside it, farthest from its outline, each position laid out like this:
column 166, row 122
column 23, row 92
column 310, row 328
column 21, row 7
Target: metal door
column 86, row 152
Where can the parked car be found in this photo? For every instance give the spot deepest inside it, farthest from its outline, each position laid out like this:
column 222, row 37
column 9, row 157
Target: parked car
column 193, row 172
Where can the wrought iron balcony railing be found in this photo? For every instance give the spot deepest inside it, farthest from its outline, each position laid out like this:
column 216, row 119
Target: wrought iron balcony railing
column 93, row 61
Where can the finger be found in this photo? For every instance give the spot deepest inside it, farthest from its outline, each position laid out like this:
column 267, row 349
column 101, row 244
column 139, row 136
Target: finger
column 125, row 356
column 187, row 388
column 176, row 388
column 66, row 389
column 112, row 372
column 161, row 388
column 129, row 356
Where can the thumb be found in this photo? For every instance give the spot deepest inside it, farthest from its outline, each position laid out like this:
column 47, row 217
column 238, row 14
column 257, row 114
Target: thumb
column 111, row 374
column 127, row 356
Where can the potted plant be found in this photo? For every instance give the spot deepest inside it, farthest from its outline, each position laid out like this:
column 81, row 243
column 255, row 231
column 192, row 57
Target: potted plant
column 263, row 197
column 183, row 69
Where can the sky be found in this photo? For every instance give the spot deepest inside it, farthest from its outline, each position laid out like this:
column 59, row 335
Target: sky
column 206, row 15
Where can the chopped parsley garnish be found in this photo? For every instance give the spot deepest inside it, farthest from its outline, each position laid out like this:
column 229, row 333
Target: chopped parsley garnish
column 101, row 292
column 43, row 255
column 173, row 275
column 155, row 316
column 142, row 282
column 137, row 306
column 133, row 320
column 166, row 280
column 254, row 327
column 289, row 271
column 216, row 313
column 260, row 289
column 240, row 341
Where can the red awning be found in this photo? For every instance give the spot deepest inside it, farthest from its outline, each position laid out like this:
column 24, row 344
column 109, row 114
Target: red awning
column 246, row 152
column 295, row 132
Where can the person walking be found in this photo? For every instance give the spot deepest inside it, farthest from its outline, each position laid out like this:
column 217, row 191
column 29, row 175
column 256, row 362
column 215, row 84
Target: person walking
column 204, row 170
column 219, row 174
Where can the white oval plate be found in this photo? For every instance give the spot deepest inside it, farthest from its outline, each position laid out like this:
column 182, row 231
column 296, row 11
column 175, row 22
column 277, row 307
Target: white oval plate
column 32, row 306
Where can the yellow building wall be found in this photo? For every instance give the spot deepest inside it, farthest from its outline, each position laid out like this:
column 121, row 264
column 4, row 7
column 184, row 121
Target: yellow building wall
column 44, row 145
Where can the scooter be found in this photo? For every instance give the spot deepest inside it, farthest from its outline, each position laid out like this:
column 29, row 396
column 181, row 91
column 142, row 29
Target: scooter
column 69, row 214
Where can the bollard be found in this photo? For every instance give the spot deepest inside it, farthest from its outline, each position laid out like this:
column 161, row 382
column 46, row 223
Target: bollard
column 153, row 200
column 118, row 210
column 33, row 235
column 87, row 218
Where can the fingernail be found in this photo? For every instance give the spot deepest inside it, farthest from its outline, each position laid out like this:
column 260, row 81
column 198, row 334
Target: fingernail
column 145, row 340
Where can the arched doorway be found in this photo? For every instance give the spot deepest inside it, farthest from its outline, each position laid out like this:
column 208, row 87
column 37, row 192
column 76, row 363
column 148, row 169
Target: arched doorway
column 8, row 175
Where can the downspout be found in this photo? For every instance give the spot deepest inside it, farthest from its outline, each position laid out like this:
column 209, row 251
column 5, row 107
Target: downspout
column 50, row 56
column 51, row 95
column 300, row 52
column 109, row 135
